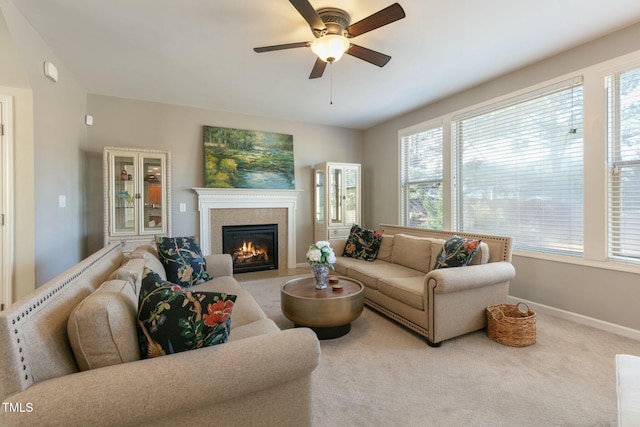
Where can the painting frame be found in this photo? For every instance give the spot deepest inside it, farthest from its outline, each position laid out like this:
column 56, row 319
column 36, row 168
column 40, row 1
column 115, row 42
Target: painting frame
column 250, row 159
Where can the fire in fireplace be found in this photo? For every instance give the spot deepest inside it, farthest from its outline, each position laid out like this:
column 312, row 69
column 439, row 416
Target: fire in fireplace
column 252, row 247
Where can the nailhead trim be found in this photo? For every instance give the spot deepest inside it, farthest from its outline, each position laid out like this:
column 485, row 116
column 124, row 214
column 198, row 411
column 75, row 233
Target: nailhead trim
column 46, row 297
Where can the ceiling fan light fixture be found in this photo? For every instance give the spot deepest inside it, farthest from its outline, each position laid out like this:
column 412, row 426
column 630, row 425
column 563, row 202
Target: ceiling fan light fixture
column 330, row 47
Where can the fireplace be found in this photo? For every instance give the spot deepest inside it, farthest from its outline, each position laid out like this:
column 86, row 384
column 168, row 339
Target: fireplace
column 235, row 206
column 252, row 247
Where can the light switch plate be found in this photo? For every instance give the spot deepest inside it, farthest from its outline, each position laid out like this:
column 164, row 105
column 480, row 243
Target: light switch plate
column 183, row 207
column 62, row 201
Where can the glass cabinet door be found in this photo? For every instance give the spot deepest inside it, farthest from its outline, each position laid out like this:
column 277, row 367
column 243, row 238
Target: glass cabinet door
column 335, row 195
column 152, row 191
column 320, row 196
column 123, row 197
column 336, row 199
column 351, row 195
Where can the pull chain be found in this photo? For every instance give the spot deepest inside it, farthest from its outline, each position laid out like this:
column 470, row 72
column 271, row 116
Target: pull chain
column 331, row 83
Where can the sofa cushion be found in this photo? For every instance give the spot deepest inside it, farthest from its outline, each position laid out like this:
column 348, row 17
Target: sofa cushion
column 386, row 247
column 172, row 319
column 369, row 273
column 101, row 328
column 245, row 309
column 131, row 271
column 150, row 256
column 408, row 290
column 182, row 260
column 362, row 243
column 413, row 252
column 456, row 252
column 343, row 264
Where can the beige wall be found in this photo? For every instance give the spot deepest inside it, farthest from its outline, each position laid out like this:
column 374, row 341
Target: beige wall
column 599, row 293
column 53, row 162
column 130, row 123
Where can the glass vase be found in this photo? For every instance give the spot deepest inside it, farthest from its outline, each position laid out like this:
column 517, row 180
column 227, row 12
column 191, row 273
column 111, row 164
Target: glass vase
column 320, row 272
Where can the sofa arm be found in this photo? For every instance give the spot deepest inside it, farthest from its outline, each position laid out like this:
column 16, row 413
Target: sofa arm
column 448, row 280
column 219, row 265
column 147, row 391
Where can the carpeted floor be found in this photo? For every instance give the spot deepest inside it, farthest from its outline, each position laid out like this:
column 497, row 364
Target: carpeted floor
column 382, row 374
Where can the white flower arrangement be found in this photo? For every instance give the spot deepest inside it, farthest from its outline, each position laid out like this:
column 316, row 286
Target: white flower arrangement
column 321, row 253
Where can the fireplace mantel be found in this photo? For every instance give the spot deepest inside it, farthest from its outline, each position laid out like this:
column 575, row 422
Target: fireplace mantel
column 233, row 198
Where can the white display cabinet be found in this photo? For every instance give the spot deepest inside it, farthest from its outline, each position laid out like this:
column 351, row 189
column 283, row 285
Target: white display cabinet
column 137, row 195
column 337, row 199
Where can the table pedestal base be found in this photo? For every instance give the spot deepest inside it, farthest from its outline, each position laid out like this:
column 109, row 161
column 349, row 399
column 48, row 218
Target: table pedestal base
column 328, row 333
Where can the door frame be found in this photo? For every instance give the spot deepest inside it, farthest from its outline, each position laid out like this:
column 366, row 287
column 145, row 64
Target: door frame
column 6, row 204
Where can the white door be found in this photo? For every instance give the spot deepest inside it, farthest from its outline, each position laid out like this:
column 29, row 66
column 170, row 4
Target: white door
column 6, row 199
column 2, row 191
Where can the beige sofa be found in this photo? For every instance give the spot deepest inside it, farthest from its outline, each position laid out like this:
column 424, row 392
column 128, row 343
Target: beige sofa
column 438, row 304
column 262, row 376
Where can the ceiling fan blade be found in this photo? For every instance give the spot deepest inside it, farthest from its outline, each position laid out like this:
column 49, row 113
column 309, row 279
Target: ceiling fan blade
column 318, row 69
column 280, row 47
column 309, row 14
column 371, row 56
column 379, row 19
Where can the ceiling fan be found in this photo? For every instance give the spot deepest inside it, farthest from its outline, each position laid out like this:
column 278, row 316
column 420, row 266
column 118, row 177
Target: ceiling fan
column 332, row 29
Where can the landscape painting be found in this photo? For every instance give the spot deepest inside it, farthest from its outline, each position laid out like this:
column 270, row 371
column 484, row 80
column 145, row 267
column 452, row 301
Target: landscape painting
column 236, row 158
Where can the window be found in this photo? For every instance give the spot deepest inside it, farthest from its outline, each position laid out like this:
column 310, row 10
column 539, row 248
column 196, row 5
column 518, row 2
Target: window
column 623, row 91
column 519, row 170
column 421, row 177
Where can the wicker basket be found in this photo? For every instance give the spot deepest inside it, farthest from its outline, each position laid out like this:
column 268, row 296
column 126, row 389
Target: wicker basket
column 507, row 324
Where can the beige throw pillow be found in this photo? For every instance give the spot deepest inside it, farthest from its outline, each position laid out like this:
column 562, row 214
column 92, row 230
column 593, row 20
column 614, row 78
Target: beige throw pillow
column 482, row 256
column 386, row 247
column 102, row 328
column 150, row 255
column 131, row 271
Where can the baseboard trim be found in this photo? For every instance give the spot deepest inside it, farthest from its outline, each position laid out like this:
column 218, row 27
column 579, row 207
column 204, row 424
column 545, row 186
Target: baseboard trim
column 579, row 318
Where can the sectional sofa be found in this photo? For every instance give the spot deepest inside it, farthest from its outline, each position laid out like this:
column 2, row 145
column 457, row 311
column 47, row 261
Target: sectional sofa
column 88, row 372
column 438, row 304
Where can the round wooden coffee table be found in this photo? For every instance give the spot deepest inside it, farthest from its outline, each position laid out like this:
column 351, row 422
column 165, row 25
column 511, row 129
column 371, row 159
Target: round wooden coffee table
column 327, row 311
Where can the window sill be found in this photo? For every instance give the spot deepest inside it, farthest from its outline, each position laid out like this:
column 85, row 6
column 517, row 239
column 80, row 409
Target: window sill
column 605, row 265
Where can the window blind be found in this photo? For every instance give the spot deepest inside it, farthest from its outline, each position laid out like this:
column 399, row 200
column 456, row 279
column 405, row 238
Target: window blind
column 519, row 170
column 421, row 178
column 623, row 91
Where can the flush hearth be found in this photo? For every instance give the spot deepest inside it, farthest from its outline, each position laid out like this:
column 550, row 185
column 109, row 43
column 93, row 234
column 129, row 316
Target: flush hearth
column 252, row 247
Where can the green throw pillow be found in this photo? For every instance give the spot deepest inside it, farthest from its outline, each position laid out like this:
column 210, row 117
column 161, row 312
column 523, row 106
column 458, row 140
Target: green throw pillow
column 171, row 319
column 457, row 252
column 362, row 243
column 182, row 260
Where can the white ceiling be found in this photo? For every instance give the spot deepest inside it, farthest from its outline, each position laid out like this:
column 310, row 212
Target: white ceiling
column 200, row 52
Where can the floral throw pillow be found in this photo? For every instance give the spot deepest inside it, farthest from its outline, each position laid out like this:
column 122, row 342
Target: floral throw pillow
column 182, row 260
column 362, row 243
column 457, row 252
column 172, row 319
